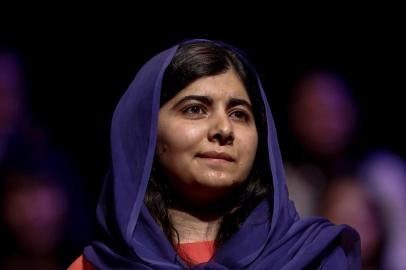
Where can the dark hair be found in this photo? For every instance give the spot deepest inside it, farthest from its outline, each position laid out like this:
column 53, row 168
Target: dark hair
column 191, row 62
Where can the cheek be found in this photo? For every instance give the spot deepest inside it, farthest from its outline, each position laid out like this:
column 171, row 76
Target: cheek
column 249, row 144
column 176, row 139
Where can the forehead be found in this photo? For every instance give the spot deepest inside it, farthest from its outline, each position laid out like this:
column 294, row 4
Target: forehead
column 222, row 86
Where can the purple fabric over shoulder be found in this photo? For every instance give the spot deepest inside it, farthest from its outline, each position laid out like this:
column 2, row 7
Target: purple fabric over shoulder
column 131, row 239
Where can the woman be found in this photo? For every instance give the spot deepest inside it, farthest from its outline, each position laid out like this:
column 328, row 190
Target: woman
column 197, row 179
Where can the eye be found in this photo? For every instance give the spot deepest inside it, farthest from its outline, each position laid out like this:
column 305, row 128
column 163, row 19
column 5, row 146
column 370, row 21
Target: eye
column 194, row 110
column 240, row 115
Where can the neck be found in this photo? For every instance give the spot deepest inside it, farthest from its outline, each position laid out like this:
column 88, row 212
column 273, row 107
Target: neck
column 193, row 226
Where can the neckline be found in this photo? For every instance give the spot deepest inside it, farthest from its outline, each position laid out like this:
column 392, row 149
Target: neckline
column 194, row 253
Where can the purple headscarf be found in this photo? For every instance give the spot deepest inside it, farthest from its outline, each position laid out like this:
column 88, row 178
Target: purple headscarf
column 130, row 237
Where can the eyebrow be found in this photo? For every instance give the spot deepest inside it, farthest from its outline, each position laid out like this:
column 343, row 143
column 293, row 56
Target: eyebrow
column 204, row 99
column 237, row 101
column 208, row 101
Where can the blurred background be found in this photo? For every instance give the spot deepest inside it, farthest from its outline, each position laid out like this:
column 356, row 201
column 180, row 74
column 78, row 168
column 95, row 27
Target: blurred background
column 335, row 84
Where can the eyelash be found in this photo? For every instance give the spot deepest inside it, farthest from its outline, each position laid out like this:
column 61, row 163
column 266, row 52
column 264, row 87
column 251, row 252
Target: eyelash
column 188, row 111
column 243, row 115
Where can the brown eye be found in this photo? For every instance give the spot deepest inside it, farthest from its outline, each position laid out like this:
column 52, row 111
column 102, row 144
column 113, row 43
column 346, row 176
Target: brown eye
column 239, row 115
column 194, row 111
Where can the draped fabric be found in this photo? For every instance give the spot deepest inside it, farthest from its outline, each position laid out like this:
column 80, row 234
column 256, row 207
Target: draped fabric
column 131, row 239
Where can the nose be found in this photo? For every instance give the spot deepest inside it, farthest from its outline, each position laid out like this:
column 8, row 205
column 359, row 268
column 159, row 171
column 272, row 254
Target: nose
column 221, row 129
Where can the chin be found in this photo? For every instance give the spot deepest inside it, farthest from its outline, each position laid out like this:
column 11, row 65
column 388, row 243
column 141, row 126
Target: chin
column 220, row 180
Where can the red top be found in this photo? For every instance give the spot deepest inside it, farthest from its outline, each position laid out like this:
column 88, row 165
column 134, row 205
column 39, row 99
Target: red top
column 192, row 253
column 196, row 252
column 81, row 264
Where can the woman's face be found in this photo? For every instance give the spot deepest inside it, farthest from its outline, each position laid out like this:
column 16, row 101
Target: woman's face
column 207, row 138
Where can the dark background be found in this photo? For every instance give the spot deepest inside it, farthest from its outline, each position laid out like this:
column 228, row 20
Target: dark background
column 78, row 68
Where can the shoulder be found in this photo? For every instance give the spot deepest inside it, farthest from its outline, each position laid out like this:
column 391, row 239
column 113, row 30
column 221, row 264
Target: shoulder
column 81, row 264
column 339, row 259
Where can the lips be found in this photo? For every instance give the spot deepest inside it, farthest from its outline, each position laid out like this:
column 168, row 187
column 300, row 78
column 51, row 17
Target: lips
column 216, row 155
